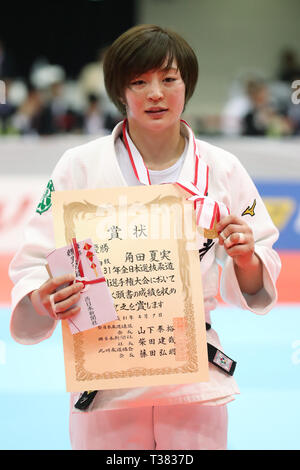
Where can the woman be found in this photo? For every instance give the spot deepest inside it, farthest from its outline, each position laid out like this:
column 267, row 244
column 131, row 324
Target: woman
column 150, row 74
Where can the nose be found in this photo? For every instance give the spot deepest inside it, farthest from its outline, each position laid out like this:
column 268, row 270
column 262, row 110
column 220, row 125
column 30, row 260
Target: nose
column 155, row 92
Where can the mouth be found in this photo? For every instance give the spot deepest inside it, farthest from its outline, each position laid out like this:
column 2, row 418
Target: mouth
column 156, row 110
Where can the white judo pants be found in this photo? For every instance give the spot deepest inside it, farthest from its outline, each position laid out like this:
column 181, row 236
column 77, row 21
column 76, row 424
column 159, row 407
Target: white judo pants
column 190, row 427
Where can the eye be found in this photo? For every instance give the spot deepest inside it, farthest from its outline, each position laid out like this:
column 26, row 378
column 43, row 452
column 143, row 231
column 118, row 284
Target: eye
column 169, row 79
column 137, row 83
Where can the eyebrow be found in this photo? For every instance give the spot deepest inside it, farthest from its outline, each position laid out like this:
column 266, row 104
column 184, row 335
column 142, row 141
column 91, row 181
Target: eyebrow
column 163, row 70
column 167, row 69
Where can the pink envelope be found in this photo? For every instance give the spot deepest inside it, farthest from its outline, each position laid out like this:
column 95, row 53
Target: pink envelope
column 96, row 302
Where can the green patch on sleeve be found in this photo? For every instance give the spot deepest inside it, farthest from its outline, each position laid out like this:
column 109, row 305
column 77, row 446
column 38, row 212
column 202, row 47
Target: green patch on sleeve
column 46, row 202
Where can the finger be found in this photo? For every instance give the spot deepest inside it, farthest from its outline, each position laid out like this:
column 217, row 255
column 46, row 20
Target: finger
column 232, row 228
column 52, row 312
column 70, row 313
column 226, row 234
column 236, row 238
column 38, row 305
column 66, row 304
column 66, row 292
column 54, row 283
column 229, row 219
column 239, row 250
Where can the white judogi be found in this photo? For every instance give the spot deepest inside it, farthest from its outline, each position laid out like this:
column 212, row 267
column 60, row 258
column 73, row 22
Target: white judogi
column 95, row 165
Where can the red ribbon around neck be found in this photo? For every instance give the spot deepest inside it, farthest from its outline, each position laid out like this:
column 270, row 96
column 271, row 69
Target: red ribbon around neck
column 208, row 211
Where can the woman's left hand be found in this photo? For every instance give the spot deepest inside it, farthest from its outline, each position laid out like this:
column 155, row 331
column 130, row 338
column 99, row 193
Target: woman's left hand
column 237, row 238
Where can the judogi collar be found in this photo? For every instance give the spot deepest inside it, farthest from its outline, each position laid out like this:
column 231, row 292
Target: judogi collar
column 208, row 211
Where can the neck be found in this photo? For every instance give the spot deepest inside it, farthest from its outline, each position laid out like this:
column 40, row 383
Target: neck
column 159, row 150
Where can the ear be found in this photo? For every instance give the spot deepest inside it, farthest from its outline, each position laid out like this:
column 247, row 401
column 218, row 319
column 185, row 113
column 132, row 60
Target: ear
column 123, row 102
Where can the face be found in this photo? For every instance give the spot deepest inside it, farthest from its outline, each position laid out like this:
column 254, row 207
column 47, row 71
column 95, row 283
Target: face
column 155, row 100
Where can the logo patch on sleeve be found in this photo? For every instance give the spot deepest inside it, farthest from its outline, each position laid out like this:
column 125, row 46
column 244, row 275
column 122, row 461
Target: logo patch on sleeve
column 250, row 210
column 45, row 202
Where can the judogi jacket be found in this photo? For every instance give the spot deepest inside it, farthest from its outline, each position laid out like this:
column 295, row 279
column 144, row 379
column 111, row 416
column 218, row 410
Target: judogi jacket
column 95, row 165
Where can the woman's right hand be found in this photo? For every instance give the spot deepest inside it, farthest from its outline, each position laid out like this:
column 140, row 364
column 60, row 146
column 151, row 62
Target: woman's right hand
column 57, row 304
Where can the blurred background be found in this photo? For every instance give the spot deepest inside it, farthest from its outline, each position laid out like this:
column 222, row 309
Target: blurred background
column 52, row 97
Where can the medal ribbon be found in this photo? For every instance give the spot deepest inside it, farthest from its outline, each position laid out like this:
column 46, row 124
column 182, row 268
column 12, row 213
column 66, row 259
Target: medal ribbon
column 208, row 211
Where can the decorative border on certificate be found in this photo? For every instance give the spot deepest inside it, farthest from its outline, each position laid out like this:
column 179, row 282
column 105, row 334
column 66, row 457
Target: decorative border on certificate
column 191, row 364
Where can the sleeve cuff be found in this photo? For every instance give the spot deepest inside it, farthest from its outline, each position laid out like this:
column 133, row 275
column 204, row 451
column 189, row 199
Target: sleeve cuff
column 26, row 326
column 261, row 302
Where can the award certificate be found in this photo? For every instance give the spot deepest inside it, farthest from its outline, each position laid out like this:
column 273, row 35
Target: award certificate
column 145, row 238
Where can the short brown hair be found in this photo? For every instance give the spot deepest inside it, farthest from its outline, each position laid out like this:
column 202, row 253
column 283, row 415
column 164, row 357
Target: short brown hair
column 143, row 48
